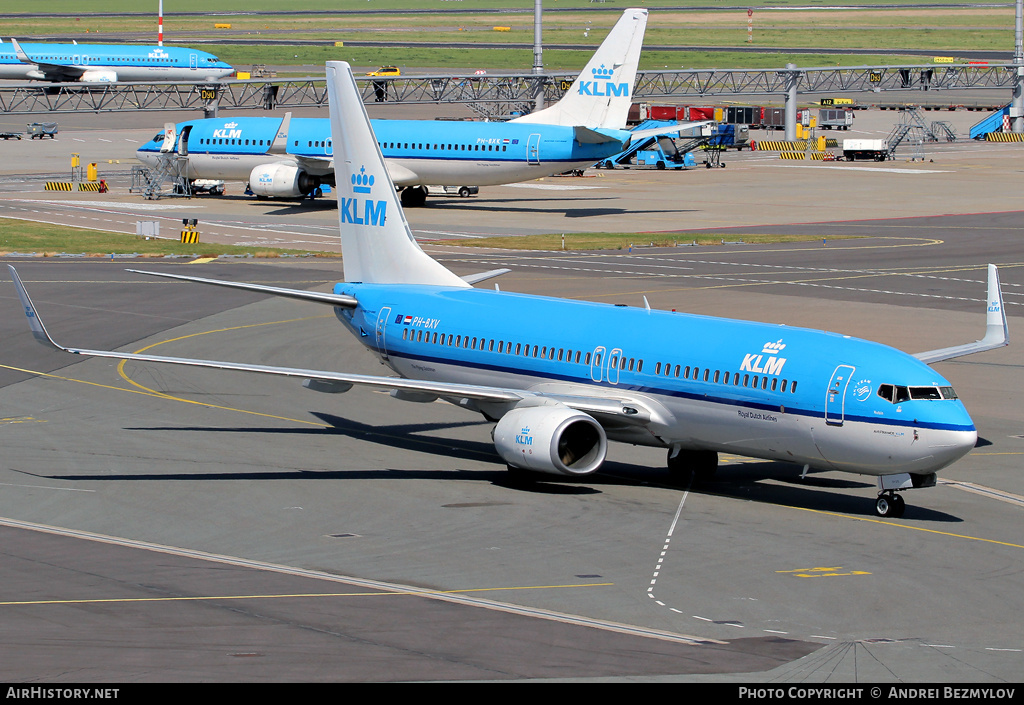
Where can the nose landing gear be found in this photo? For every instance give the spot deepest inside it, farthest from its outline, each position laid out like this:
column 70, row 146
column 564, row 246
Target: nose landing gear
column 890, row 504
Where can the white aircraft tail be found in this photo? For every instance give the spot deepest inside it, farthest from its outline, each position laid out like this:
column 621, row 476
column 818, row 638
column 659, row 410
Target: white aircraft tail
column 600, row 96
column 377, row 245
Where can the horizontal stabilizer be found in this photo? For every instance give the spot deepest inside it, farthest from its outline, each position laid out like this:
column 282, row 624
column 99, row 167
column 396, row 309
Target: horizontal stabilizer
column 675, row 129
column 300, row 294
column 997, row 333
column 586, row 135
column 484, row 276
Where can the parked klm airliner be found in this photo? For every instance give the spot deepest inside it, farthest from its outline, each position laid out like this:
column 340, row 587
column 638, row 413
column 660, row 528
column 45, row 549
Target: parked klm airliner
column 105, row 63
column 583, row 373
column 292, row 158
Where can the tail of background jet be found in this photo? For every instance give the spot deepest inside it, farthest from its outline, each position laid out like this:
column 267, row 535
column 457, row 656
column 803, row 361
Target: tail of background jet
column 601, row 95
column 376, row 242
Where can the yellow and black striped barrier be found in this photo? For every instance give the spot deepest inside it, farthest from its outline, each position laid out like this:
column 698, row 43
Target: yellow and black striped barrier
column 88, row 186
column 823, row 156
column 58, row 186
column 1004, row 137
column 781, row 145
column 792, row 155
column 189, row 236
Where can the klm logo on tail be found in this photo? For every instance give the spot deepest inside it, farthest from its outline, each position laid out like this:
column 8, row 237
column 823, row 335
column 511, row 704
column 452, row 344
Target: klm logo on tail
column 362, row 211
column 602, row 84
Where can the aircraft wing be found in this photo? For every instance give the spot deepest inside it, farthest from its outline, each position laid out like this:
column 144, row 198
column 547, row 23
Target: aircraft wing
column 400, row 175
column 622, row 409
column 47, row 70
column 997, row 333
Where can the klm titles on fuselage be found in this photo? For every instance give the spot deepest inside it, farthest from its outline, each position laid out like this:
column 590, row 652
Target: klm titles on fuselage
column 757, row 363
column 228, row 131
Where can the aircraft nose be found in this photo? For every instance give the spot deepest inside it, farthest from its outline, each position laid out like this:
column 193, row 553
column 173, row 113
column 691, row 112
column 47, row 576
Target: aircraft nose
column 949, row 446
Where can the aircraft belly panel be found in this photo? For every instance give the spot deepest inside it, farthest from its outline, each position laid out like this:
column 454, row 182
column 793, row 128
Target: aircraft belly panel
column 446, row 172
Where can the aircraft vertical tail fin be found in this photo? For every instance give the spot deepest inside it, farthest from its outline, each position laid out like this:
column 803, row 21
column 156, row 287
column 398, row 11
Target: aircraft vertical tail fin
column 377, row 245
column 601, row 95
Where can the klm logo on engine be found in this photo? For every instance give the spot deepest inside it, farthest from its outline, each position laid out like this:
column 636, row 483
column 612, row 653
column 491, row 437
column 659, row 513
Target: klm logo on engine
column 602, row 84
column 524, row 438
column 768, row 362
column 228, row 131
column 362, row 211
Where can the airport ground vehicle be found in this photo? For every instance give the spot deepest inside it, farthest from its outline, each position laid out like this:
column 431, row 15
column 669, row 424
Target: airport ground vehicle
column 39, row 130
column 463, row 191
column 860, row 149
column 392, row 71
column 835, row 118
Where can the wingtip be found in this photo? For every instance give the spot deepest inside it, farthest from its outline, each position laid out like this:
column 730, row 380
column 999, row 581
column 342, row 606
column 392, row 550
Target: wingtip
column 34, row 322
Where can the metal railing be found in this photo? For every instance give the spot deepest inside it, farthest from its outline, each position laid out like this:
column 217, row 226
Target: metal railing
column 492, row 95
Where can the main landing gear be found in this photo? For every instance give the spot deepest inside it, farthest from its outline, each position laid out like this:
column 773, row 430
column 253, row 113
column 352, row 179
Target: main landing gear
column 692, row 465
column 890, row 504
column 414, row 196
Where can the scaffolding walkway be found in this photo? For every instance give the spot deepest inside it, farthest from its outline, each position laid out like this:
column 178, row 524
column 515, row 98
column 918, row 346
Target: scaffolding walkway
column 167, row 178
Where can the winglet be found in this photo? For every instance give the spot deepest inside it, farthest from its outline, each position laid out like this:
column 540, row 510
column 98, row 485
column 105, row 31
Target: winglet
column 280, row 144
column 997, row 332
column 34, row 322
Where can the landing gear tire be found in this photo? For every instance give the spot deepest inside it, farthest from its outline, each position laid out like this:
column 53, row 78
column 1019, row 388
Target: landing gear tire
column 414, row 196
column 693, row 465
column 890, row 506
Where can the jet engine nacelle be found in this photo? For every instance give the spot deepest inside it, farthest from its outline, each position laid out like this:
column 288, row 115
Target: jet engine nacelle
column 282, row 181
column 552, row 439
column 99, row 76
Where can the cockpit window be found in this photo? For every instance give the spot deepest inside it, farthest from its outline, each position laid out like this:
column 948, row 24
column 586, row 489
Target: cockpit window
column 159, row 137
column 898, row 394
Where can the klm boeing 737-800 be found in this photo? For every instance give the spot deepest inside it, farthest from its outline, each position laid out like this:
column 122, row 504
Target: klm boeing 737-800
column 106, row 63
column 585, row 373
column 292, row 158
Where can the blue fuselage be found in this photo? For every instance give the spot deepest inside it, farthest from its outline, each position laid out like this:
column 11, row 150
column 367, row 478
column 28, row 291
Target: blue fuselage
column 110, row 62
column 799, row 395
column 441, row 152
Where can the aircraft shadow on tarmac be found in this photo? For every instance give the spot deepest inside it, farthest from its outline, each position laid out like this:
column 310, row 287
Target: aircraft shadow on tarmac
column 508, row 205
column 757, row 481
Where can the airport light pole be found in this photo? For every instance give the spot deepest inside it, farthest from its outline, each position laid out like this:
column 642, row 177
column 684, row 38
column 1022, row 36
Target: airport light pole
column 538, row 55
column 792, row 80
column 1017, row 102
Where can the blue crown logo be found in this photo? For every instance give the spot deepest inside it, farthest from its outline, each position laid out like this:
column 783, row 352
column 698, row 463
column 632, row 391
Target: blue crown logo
column 602, row 72
column 362, row 181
